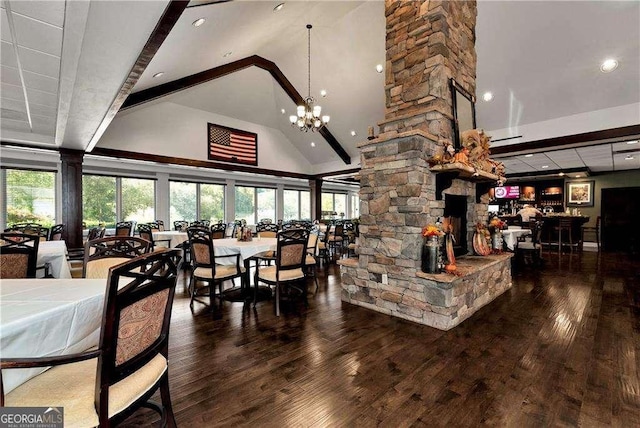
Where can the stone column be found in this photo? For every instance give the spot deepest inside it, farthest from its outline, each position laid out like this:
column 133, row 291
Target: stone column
column 71, row 174
column 428, row 42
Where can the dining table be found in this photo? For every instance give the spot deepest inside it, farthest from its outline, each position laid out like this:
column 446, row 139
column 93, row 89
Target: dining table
column 46, row 318
column 55, row 254
column 174, row 237
column 510, row 236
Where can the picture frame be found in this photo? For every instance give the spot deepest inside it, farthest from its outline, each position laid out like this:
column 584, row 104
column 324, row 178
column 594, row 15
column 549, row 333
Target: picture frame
column 232, row 145
column 580, row 193
column 464, row 111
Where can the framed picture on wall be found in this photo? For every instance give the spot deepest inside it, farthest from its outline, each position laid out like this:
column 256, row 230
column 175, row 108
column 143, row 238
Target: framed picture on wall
column 580, row 193
column 232, row 145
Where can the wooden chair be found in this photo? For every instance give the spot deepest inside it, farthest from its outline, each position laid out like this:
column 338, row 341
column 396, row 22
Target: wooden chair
column 267, row 230
column 591, row 229
column 160, row 224
column 323, row 247
column 180, row 225
column 145, row 231
column 103, row 387
column 200, row 223
column 125, row 228
column 56, row 232
column 218, row 231
column 565, row 228
column 336, row 240
column 290, row 263
column 310, row 263
column 103, row 253
column 529, row 247
column 207, row 269
column 18, row 255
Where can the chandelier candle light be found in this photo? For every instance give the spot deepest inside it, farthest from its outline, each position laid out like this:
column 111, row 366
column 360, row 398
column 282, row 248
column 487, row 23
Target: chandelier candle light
column 309, row 116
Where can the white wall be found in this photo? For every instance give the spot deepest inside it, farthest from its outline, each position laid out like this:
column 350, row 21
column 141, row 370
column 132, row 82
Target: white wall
column 170, row 129
column 597, row 120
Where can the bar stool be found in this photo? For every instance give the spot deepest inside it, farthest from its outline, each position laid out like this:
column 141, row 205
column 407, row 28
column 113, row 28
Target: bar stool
column 565, row 225
column 595, row 229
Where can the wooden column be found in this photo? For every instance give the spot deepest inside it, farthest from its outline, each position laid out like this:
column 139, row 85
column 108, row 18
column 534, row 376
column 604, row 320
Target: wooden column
column 316, row 198
column 71, row 174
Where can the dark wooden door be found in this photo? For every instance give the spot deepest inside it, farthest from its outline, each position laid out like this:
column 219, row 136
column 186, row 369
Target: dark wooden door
column 621, row 219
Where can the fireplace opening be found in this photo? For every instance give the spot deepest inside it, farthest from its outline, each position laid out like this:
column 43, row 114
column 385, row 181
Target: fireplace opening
column 456, row 208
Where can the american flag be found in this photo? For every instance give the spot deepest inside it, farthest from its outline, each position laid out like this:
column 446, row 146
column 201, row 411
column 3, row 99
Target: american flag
column 232, row 145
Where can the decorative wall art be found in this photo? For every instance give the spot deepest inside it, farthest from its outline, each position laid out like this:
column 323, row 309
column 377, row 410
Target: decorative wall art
column 580, row 193
column 232, row 145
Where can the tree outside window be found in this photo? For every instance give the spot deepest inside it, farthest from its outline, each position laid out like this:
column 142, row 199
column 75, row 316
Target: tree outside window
column 98, row 201
column 31, row 197
column 138, row 200
column 245, row 204
column 266, row 203
column 212, row 202
column 182, row 201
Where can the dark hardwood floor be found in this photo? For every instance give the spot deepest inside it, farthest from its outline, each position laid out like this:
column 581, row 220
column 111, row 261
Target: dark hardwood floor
column 561, row 348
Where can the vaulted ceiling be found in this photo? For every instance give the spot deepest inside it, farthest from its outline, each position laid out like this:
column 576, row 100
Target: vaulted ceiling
column 539, row 59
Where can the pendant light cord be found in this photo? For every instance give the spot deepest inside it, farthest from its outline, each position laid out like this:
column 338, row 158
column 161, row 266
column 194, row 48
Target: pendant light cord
column 309, row 58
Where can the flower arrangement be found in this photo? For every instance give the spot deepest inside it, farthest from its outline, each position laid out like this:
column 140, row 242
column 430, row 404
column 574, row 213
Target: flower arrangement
column 496, row 224
column 431, row 230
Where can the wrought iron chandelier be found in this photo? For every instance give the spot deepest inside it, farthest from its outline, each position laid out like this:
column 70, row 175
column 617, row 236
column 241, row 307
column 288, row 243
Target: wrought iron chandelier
column 309, row 115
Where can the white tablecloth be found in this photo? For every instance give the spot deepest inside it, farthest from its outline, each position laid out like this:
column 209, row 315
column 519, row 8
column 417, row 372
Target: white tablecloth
column 48, row 317
column 175, row 236
column 246, row 249
column 510, row 235
column 54, row 253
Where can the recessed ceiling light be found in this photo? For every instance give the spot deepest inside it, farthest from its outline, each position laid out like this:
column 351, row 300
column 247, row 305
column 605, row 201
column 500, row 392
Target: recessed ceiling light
column 278, row 7
column 633, row 142
column 379, row 68
column 323, row 93
column 578, row 176
column 561, row 174
column 198, row 22
column 158, row 74
column 544, row 166
column 528, row 156
column 354, row 133
column 608, row 65
column 628, row 157
column 283, row 111
column 487, row 96
column 313, row 144
column 227, row 54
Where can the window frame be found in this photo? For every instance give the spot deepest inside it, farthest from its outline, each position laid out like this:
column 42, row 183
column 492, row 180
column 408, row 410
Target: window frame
column 198, row 196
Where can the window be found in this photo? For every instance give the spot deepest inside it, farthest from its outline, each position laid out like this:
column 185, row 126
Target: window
column 98, row 200
column 107, row 200
column 334, row 205
column 355, row 206
column 212, row 202
column 31, row 197
column 255, row 203
column 183, row 201
column 138, row 200
column 297, row 205
column 196, row 201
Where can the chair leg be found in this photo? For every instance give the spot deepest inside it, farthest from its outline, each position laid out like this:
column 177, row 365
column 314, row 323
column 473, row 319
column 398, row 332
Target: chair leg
column 277, row 299
column 168, row 417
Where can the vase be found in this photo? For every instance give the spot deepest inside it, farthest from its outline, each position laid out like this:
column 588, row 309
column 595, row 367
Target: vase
column 496, row 240
column 430, row 255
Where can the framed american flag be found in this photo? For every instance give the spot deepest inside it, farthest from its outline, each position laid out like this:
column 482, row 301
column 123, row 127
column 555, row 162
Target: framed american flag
column 232, row 145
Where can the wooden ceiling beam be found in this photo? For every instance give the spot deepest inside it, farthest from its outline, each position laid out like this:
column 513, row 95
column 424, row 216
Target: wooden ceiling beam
column 187, row 82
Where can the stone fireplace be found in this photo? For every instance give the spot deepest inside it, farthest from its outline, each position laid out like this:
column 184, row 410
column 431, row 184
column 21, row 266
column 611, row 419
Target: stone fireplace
column 428, row 42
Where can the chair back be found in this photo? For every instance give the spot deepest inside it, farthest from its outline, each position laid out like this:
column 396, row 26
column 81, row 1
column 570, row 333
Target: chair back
column 160, row 224
column 125, row 228
column 265, row 221
column 95, row 233
column 18, row 255
column 536, row 232
column 218, row 231
column 312, row 244
column 292, row 249
column 267, row 230
column 146, row 232
column 202, row 251
column 135, row 320
column 200, row 223
column 338, row 229
column 180, row 225
column 56, row 232
column 103, row 253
